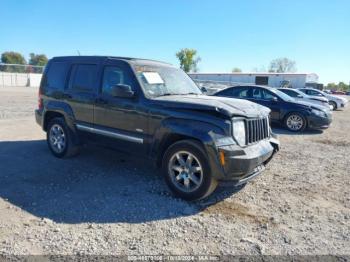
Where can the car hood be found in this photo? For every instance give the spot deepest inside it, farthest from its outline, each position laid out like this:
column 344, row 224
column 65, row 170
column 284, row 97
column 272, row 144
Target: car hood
column 337, row 97
column 224, row 105
column 310, row 104
column 319, row 98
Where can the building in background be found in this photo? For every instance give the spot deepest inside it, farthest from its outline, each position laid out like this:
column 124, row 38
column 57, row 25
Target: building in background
column 294, row 80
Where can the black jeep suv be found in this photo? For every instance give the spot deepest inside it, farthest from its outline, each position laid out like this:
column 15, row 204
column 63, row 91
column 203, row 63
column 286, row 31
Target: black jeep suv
column 154, row 109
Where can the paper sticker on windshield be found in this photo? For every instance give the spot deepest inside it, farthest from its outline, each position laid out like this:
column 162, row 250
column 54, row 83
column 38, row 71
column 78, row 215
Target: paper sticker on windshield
column 153, row 78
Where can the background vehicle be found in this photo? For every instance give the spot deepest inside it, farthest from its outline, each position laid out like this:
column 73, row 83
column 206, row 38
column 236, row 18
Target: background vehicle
column 294, row 115
column 155, row 110
column 336, row 92
column 335, row 101
column 300, row 96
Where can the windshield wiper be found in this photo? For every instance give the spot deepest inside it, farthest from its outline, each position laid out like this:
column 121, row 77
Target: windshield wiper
column 190, row 93
column 174, row 94
column 166, row 94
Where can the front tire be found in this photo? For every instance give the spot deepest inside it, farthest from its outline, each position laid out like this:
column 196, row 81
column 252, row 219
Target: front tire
column 295, row 122
column 187, row 172
column 59, row 138
column 334, row 104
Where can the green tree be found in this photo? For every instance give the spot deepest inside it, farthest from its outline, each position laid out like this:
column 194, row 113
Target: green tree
column 188, row 59
column 332, row 86
column 343, row 87
column 282, row 65
column 13, row 58
column 37, row 60
column 236, row 70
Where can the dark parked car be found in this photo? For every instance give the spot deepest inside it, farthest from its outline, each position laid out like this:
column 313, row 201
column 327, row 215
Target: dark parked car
column 155, row 110
column 294, row 115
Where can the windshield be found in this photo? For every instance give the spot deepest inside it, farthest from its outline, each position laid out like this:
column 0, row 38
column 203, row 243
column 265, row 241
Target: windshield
column 162, row 80
column 282, row 95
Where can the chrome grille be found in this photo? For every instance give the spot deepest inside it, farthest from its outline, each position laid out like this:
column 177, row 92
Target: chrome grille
column 257, row 129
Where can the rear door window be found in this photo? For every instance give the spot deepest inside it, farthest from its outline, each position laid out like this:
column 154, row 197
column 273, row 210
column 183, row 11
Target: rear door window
column 83, row 78
column 56, row 76
column 257, row 94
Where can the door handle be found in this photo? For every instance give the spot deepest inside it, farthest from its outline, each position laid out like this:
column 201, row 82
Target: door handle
column 101, row 101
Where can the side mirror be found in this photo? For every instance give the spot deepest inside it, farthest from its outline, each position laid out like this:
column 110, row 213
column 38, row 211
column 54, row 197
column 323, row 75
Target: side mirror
column 204, row 89
column 121, row 90
column 274, row 99
column 300, row 96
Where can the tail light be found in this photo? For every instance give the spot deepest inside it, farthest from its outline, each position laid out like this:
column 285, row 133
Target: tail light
column 40, row 100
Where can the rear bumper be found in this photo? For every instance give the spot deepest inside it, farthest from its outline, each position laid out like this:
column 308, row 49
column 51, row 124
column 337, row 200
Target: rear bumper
column 245, row 163
column 39, row 117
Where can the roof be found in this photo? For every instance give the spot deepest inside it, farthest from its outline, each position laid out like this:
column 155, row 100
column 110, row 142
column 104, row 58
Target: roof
column 252, row 73
column 247, row 85
column 99, row 58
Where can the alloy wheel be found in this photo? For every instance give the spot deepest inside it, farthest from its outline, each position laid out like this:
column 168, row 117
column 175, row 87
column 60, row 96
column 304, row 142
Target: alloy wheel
column 186, row 171
column 57, row 138
column 295, row 122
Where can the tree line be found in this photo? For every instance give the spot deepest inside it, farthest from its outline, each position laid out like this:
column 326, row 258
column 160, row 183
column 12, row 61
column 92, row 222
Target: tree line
column 189, row 59
column 18, row 59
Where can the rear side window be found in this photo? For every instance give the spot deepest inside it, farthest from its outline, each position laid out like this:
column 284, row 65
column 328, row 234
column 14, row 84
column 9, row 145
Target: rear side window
column 56, row 76
column 83, row 78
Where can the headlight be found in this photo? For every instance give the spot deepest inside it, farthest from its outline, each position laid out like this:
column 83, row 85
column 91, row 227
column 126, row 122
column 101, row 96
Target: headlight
column 318, row 113
column 239, row 131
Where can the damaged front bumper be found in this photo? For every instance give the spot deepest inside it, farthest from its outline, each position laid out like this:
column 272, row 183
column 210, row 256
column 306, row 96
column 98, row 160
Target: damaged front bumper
column 238, row 164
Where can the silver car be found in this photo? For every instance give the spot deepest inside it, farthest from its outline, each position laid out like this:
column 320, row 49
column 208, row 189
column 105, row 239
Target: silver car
column 336, row 101
column 300, row 96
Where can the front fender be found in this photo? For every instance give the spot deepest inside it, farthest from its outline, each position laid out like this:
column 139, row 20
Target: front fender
column 207, row 133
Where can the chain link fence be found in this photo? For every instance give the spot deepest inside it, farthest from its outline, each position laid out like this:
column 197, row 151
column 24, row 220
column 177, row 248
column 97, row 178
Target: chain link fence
column 20, row 75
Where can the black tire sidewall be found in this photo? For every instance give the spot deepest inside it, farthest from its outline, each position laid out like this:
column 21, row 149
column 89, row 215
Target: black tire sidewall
column 334, row 104
column 298, row 114
column 195, row 149
column 62, row 124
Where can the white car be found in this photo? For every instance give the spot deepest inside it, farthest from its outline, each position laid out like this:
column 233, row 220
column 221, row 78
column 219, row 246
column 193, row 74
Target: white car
column 300, row 96
column 336, row 101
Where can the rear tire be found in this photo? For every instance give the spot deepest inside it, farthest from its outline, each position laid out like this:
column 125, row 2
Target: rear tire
column 187, row 172
column 59, row 138
column 295, row 122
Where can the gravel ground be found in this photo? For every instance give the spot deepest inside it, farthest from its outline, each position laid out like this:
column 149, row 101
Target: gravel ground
column 104, row 202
